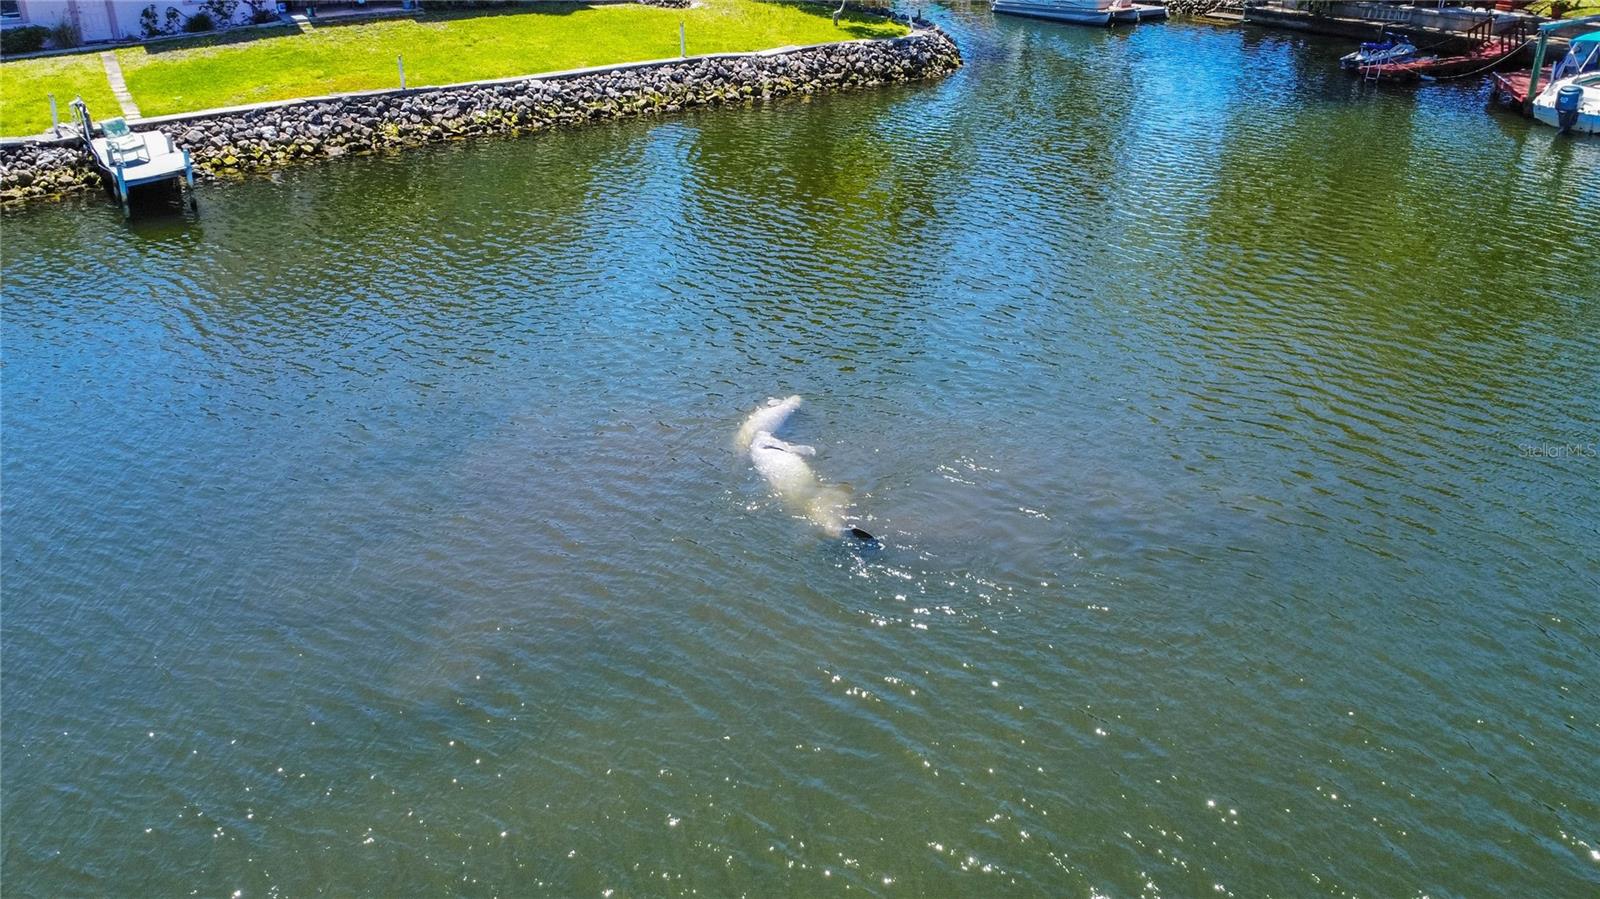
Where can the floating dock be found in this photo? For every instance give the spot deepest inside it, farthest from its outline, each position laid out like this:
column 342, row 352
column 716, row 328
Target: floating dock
column 1511, row 88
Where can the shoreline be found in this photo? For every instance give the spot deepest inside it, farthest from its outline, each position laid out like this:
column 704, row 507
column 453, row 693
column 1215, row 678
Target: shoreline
column 233, row 141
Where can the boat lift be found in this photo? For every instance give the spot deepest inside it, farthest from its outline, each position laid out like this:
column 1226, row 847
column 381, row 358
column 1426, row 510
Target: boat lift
column 130, row 159
column 1545, row 31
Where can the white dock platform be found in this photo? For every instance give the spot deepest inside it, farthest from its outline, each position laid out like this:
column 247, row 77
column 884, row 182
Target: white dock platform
column 154, row 158
column 131, row 159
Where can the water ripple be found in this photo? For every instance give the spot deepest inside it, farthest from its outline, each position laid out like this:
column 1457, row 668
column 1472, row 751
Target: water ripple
column 379, row 531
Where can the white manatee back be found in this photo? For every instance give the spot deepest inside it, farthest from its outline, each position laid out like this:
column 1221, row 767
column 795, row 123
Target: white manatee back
column 784, row 467
column 769, row 418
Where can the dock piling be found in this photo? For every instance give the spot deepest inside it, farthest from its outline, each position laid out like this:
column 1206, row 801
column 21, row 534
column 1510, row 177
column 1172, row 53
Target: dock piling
column 55, row 119
column 188, row 176
column 683, row 43
column 1538, row 64
column 400, row 62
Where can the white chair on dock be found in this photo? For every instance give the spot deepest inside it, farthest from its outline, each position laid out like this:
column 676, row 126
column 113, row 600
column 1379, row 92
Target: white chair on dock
column 122, row 144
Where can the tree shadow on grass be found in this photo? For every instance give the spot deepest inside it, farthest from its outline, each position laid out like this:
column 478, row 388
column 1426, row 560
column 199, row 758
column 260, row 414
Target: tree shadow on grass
column 854, row 22
column 527, row 7
column 247, row 35
column 219, row 38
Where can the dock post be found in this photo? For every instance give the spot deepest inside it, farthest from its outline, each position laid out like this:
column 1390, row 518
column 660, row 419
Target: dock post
column 188, row 175
column 55, row 120
column 1538, row 63
column 683, row 43
column 400, row 61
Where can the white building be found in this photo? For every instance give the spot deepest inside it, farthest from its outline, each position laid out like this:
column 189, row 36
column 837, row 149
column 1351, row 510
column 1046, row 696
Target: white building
column 102, row 20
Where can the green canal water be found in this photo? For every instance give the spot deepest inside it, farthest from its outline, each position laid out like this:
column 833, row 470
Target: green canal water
column 1230, row 428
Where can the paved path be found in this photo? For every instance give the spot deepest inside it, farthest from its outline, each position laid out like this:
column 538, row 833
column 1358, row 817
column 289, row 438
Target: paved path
column 119, row 88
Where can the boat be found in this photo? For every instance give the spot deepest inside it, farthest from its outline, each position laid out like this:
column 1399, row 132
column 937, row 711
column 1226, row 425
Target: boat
column 1571, row 101
column 1081, row 12
column 1391, row 49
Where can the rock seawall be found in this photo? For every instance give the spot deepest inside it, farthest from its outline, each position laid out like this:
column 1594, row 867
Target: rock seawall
column 37, row 169
column 266, row 136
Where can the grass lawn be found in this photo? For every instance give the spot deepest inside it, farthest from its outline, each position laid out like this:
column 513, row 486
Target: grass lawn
column 25, row 86
column 1571, row 9
column 251, row 67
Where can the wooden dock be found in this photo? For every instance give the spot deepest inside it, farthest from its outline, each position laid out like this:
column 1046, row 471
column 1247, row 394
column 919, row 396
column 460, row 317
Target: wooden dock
column 1453, row 34
column 1511, row 88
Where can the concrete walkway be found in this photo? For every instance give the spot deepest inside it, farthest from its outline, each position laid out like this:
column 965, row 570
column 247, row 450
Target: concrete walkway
column 119, row 87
